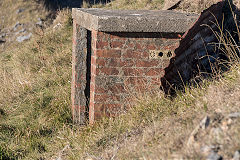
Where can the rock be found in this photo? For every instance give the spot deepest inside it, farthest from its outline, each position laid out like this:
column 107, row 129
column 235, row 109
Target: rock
column 21, row 31
column 225, row 125
column 236, row 155
column 214, row 156
column 171, row 4
column 217, row 133
column 177, row 156
column 23, row 38
column 203, row 125
column 16, row 26
column 59, row 158
column 208, row 149
column 205, row 122
column 57, row 26
column 40, row 22
column 20, row 10
column 234, row 115
column 3, row 35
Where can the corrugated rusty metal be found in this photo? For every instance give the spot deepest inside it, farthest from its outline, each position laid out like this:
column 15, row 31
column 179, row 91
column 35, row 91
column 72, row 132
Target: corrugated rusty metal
column 198, row 50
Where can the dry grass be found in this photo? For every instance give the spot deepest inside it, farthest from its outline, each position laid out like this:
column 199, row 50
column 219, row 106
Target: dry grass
column 35, row 92
column 167, row 134
column 158, row 124
column 196, row 6
column 32, row 10
column 132, row 4
column 35, row 119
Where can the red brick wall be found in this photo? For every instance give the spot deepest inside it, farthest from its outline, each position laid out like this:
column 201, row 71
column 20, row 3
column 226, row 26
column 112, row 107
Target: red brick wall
column 121, row 64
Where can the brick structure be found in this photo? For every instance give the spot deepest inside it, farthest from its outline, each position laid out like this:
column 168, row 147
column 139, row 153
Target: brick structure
column 116, row 53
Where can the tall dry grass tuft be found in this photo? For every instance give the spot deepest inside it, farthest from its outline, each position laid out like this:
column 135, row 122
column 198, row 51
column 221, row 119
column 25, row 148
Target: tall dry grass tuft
column 228, row 36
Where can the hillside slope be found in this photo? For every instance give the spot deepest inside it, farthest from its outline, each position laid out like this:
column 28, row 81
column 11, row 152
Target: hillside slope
column 35, row 118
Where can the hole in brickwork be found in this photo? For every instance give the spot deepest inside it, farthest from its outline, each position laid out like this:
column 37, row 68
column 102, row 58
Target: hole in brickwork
column 160, row 54
column 169, row 54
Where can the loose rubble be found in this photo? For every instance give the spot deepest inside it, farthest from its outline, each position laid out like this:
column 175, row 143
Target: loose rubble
column 24, row 38
column 16, row 26
column 203, row 125
column 214, row 156
column 236, row 155
column 40, row 22
column 21, row 31
column 20, row 10
column 210, row 135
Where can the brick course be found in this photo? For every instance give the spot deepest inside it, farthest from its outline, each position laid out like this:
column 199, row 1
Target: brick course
column 124, row 56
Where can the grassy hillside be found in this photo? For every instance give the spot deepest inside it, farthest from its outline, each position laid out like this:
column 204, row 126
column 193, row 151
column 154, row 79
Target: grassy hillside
column 35, row 118
column 133, row 4
column 35, row 91
column 196, row 6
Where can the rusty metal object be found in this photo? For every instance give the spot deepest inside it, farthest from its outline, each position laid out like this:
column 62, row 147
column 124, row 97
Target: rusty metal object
column 199, row 49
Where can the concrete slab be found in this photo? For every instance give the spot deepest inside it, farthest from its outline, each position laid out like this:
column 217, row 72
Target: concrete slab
column 133, row 20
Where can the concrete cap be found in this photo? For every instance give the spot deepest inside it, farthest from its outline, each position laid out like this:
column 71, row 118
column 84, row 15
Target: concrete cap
column 133, row 20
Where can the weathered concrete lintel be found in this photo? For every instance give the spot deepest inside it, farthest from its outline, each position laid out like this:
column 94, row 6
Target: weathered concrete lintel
column 133, row 20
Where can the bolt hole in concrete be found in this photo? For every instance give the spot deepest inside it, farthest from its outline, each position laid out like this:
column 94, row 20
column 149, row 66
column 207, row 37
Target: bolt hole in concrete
column 160, row 54
column 169, row 54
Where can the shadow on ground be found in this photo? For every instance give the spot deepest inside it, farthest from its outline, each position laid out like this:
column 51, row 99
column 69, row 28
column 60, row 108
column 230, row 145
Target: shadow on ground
column 59, row 4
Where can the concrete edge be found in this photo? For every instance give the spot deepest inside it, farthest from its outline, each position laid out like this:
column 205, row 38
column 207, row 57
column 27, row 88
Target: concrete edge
column 131, row 24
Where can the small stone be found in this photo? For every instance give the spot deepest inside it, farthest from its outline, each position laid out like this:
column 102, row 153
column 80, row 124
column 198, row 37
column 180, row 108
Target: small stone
column 205, row 122
column 203, row 125
column 20, row 10
column 23, row 38
column 176, row 156
column 170, row 4
column 229, row 122
column 214, row 156
column 236, row 155
column 3, row 35
column 217, row 133
column 40, row 22
column 59, row 158
column 59, row 25
column 16, row 26
column 234, row 115
column 208, row 149
column 21, row 31
column 224, row 125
